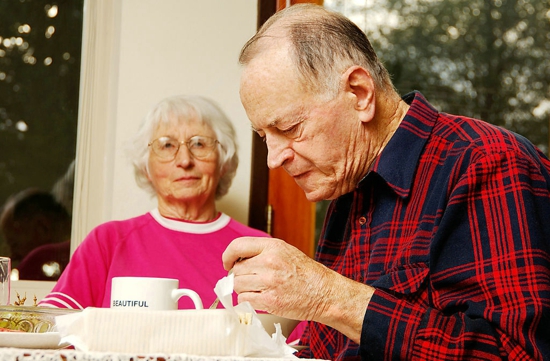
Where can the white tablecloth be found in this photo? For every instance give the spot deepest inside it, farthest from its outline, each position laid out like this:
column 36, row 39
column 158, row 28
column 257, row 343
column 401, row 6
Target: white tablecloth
column 18, row 354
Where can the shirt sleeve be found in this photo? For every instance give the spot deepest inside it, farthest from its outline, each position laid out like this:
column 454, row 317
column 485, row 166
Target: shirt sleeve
column 488, row 274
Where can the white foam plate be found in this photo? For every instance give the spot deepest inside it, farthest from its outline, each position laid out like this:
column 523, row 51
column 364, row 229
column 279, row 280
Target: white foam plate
column 46, row 340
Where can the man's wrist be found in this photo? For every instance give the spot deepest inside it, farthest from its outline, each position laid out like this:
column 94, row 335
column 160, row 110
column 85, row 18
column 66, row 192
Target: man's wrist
column 346, row 305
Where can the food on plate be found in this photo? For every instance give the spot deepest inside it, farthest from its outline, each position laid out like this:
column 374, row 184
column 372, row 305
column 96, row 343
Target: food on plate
column 245, row 318
column 8, row 330
column 30, row 318
column 21, row 300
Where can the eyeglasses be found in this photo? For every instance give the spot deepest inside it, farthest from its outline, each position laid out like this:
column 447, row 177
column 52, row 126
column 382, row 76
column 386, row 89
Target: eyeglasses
column 167, row 148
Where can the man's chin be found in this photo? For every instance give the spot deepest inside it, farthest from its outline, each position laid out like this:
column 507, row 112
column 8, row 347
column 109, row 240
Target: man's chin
column 315, row 195
column 314, row 191
column 314, row 198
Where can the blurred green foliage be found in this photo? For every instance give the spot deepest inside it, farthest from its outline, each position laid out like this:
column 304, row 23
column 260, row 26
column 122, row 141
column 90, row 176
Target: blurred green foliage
column 488, row 59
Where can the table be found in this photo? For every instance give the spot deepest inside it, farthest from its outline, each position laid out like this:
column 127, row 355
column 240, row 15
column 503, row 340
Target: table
column 19, row 354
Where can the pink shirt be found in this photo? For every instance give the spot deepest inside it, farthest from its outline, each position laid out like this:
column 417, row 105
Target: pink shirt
column 147, row 246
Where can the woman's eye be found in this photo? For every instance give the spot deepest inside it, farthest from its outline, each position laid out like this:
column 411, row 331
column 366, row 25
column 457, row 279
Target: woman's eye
column 197, row 143
column 168, row 145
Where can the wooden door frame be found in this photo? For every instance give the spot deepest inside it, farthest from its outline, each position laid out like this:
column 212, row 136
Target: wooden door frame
column 259, row 179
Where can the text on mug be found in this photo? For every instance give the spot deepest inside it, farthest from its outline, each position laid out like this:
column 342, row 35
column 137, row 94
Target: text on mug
column 129, row 303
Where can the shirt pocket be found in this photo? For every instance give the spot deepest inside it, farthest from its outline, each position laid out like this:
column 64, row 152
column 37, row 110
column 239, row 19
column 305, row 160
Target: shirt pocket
column 406, row 279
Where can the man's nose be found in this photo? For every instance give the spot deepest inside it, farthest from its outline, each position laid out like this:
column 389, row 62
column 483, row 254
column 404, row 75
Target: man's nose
column 278, row 152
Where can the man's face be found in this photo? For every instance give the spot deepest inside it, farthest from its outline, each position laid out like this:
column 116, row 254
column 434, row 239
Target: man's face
column 312, row 138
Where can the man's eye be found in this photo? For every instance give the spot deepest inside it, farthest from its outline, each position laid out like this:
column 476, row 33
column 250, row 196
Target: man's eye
column 290, row 130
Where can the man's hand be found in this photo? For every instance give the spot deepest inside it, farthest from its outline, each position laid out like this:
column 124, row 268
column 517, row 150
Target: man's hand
column 278, row 278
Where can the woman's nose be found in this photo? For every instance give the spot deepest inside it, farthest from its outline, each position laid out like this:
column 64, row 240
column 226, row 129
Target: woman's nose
column 184, row 156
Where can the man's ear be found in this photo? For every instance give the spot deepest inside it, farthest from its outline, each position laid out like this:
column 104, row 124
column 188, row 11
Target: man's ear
column 361, row 85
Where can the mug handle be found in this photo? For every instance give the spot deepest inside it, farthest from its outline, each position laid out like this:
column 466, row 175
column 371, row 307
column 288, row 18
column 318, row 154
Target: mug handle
column 194, row 296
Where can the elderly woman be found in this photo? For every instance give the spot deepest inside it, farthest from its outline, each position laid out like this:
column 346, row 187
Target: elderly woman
column 186, row 155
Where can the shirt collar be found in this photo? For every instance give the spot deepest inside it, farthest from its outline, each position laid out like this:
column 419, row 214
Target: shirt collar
column 191, row 227
column 398, row 161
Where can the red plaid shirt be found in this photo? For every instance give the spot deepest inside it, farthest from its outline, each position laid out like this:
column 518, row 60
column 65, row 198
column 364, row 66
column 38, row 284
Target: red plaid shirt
column 452, row 228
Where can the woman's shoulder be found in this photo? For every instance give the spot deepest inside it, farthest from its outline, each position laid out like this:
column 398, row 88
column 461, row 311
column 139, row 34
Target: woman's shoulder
column 106, row 237
column 124, row 226
column 244, row 230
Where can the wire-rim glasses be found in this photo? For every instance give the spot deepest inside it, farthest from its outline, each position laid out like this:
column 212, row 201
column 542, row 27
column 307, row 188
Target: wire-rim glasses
column 167, row 147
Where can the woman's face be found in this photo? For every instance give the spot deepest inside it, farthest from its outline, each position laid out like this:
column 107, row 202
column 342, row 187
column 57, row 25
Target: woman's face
column 184, row 179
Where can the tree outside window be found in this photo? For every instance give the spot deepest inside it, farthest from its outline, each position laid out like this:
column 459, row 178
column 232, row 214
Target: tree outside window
column 40, row 53
column 487, row 59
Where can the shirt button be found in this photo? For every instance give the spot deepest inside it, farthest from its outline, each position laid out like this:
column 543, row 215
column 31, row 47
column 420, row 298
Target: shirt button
column 362, row 220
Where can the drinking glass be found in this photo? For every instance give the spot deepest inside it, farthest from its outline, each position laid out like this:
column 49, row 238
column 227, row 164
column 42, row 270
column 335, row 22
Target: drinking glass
column 5, row 271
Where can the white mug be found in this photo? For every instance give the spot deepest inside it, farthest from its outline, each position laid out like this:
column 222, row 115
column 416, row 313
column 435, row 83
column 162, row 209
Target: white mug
column 150, row 293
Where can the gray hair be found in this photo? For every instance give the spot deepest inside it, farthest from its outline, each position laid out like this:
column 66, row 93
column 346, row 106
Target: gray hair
column 182, row 109
column 323, row 44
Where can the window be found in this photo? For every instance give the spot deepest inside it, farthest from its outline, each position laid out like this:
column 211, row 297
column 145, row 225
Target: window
column 40, row 52
column 483, row 59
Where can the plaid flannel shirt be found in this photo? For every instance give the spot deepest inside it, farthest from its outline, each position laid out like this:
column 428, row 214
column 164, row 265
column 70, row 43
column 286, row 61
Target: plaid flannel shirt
column 452, row 228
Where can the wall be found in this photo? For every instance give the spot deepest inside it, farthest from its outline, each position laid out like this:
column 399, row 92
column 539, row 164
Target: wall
column 136, row 52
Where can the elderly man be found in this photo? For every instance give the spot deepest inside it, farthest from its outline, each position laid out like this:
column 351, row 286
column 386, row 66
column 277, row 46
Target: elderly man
column 436, row 244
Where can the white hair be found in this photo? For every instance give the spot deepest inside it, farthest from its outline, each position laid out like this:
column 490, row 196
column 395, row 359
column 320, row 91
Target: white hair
column 181, row 109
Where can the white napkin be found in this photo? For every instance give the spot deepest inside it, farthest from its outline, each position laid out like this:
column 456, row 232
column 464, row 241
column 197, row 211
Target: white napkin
column 259, row 342
column 235, row 331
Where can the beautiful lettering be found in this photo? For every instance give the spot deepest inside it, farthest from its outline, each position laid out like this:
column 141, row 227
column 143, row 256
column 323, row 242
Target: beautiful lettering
column 129, row 303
